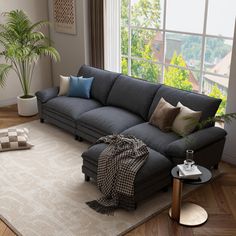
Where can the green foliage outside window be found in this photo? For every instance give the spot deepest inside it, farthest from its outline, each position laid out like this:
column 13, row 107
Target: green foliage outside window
column 124, row 12
column 216, row 93
column 146, row 70
column 124, row 66
column 124, row 41
column 176, row 77
column 144, row 13
column 215, row 48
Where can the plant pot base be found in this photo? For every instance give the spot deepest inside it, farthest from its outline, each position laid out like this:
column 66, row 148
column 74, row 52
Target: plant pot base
column 27, row 106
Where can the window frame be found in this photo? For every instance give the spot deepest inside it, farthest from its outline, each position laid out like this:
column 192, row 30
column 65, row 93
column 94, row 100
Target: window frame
column 165, row 31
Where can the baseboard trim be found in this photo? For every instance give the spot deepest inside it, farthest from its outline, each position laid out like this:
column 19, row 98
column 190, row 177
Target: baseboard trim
column 7, row 102
column 228, row 158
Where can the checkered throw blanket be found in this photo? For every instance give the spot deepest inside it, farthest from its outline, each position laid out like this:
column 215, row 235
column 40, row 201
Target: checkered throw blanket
column 118, row 165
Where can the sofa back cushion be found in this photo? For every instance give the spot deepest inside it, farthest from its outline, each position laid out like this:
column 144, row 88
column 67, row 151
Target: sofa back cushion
column 194, row 101
column 132, row 94
column 102, row 83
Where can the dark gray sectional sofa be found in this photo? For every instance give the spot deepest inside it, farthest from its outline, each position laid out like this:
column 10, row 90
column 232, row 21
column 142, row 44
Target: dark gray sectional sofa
column 122, row 104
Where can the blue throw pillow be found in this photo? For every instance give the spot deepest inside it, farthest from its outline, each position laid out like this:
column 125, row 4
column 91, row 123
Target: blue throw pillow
column 73, row 86
column 80, row 87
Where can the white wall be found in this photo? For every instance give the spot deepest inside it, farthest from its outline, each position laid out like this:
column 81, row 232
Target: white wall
column 74, row 49
column 36, row 10
column 229, row 154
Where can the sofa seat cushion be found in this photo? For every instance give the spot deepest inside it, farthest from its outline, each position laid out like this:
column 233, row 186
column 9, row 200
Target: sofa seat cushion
column 152, row 136
column 156, row 166
column 108, row 120
column 70, row 107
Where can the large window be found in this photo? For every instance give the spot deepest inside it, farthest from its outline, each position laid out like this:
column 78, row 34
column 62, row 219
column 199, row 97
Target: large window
column 184, row 44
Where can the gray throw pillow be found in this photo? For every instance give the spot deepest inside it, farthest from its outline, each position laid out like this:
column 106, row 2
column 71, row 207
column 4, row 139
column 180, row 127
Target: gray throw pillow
column 164, row 115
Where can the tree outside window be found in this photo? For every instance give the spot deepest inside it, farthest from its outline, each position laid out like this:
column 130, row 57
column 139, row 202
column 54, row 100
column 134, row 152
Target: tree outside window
column 175, row 60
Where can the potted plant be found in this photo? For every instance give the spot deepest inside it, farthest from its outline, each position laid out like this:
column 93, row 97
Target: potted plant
column 21, row 45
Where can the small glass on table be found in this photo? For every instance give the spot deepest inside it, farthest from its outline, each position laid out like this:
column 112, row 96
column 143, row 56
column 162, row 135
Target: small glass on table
column 189, row 162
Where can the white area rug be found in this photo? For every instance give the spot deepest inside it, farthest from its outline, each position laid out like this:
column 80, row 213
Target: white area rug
column 43, row 192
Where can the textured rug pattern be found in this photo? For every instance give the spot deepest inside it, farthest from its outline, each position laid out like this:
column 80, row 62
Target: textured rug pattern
column 43, row 192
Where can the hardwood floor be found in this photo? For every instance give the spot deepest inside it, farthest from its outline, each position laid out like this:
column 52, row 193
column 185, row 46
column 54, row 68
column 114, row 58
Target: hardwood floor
column 217, row 197
column 10, row 117
column 5, row 230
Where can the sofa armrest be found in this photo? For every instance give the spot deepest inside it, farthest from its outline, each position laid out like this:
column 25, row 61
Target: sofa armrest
column 47, row 94
column 195, row 141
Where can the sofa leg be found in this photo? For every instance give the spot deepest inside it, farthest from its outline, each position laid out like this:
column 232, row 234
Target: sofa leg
column 216, row 166
column 77, row 137
column 86, row 178
column 165, row 189
column 41, row 120
column 80, row 139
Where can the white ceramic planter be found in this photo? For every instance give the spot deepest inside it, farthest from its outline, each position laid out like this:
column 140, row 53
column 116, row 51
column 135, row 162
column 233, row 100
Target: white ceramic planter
column 27, row 106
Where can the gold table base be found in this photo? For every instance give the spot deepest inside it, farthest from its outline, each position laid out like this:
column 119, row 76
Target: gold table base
column 191, row 214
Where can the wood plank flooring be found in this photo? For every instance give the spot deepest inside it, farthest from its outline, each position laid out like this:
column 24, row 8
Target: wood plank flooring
column 5, row 230
column 217, row 197
column 10, row 117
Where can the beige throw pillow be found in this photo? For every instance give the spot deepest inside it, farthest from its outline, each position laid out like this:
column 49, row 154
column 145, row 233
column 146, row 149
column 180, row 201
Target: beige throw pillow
column 14, row 139
column 64, row 85
column 186, row 121
column 164, row 115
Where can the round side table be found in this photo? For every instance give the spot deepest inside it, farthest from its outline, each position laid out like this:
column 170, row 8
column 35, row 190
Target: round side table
column 188, row 213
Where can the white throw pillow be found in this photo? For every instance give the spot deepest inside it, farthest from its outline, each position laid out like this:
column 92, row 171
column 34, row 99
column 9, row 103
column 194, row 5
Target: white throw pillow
column 186, row 121
column 64, row 85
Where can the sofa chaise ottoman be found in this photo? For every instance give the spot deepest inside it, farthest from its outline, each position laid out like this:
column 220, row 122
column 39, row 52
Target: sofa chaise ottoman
column 154, row 175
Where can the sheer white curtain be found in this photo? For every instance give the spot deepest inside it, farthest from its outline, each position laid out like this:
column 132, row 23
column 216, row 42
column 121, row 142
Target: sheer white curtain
column 112, row 35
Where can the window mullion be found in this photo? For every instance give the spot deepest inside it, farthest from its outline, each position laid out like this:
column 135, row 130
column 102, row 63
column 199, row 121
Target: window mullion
column 129, row 39
column 164, row 44
column 203, row 47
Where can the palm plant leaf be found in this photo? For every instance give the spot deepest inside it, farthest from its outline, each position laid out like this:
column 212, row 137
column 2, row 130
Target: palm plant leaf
column 48, row 51
column 38, row 25
column 18, row 22
column 4, row 69
column 35, row 37
column 4, row 38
